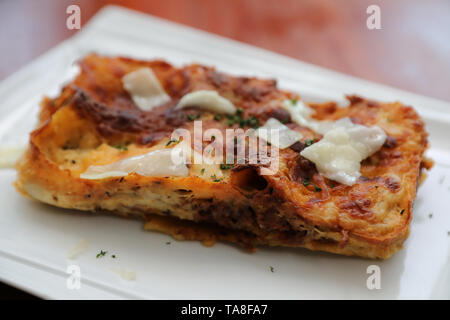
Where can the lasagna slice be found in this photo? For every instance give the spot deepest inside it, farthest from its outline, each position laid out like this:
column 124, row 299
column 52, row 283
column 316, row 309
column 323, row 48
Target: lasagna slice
column 344, row 182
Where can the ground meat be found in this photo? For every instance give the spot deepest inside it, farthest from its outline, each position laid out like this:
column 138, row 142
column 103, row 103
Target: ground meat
column 281, row 115
column 298, row 146
column 390, row 142
column 303, row 170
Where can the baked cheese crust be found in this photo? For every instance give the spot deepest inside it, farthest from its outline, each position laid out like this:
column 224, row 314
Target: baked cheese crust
column 94, row 122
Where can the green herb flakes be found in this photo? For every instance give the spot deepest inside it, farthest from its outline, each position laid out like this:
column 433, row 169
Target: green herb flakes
column 101, row 254
column 172, row 141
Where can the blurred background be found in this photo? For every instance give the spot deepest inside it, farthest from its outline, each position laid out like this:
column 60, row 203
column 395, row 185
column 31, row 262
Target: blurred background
column 410, row 52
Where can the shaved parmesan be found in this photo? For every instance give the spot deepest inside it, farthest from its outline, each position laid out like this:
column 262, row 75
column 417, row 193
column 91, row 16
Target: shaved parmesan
column 97, row 172
column 145, row 89
column 285, row 138
column 301, row 114
column 202, row 164
column 208, row 100
column 165, row 162
column 125, row 274
column 80, row 247
column 338, row 155
column 344, row 145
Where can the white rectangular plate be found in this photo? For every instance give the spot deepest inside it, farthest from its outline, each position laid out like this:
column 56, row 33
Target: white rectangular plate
column 35, row 239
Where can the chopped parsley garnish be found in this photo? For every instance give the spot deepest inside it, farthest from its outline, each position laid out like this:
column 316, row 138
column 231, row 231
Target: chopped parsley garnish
column 306, row 183
column 168, row 242
column 73, row 161
column 113, row 256
column 230, row 122
column 225, row 166
column 121, row 147
column 309, row 142
column 253, row 122
column 215, row 179
column 402, row 212
column 202, row 171
column 430, row 215
column 172, row 141
column 192, row 117
column 218, row 117
column 101, row 254
column 239, row 119
column 271, row 269
column 293, row 101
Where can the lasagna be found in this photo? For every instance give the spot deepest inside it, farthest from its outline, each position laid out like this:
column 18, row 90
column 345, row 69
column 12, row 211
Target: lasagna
column 267, row 169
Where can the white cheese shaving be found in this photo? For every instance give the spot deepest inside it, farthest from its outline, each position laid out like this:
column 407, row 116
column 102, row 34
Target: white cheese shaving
column 165, row 162
column 205, row 167
column 96, row 173
column 80, row 247
column 125, row 274
column 208, row 100
column 338, row 155
column 301, row 114
column 145, row 89
column 344, row 145
column 286, row 137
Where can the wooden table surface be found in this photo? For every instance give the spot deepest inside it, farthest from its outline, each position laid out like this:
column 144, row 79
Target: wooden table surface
column 411, row 51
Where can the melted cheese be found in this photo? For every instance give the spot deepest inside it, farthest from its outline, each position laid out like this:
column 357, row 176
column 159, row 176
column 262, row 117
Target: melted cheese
column 285, row 137
column 207, row 100
column 145, row 89
column 165, row 162
column 338, row 155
